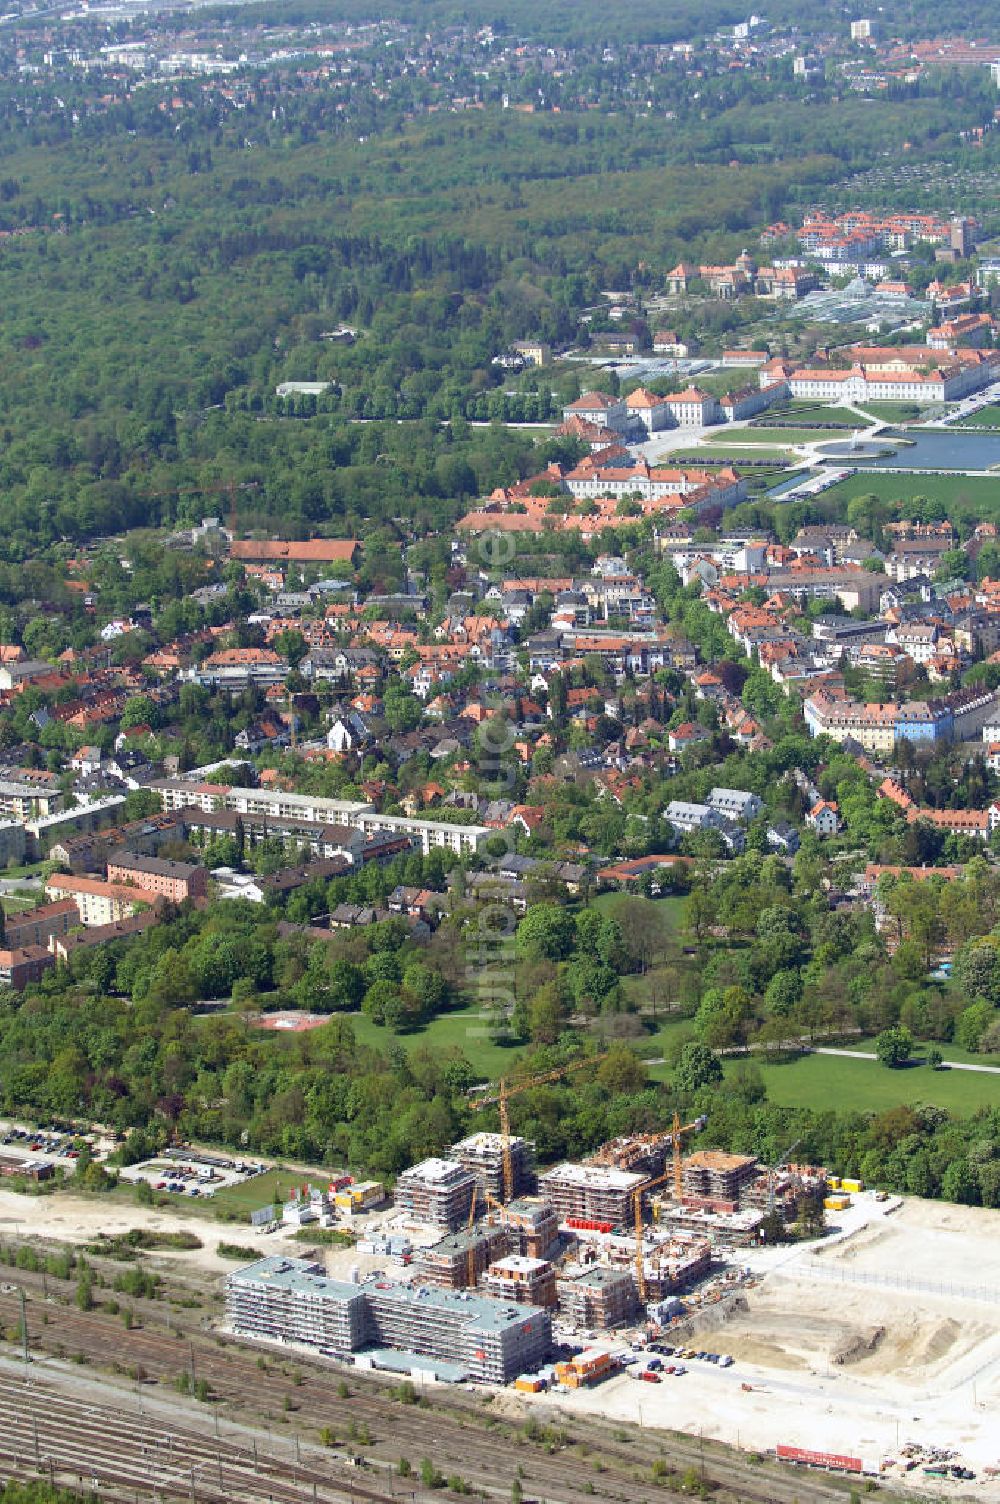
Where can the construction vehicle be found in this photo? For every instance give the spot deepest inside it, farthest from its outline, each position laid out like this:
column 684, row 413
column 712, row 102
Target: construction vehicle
column 501, row 1098
column 678, row 1132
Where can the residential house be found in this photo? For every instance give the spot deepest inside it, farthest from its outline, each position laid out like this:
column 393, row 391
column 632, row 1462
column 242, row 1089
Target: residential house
column 686, row 735
column 735, row 804
column 349, row 733
column 783, row 838
column 824, row 818
column 686, row 816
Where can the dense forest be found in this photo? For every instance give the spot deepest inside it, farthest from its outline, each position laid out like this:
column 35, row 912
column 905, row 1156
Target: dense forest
column 176, row 264
column 565, row 24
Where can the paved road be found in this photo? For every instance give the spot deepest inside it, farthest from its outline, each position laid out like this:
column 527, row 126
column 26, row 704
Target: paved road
column 952, row 1065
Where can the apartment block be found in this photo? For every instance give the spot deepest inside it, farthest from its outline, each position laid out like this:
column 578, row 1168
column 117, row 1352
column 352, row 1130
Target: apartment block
column 40, row 925
column 436, row 1191
column 596, row 1295
column 525, row 1281
column 482, row 1156
column 713, row 1180
column 277, row 804
column 674, row 1264
column 45, row 831
column 174, row 881
column 28, row 801
column 290, row 1300
column 65, row 946
column 97, row 902
column 459, row 1259
column 532, row 1226
column 597, row 1193
column 490, row 1341
column 24, row 964
column 13, row 842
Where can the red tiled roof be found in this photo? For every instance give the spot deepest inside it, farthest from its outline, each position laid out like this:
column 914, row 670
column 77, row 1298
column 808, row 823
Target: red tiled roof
column 309, row 551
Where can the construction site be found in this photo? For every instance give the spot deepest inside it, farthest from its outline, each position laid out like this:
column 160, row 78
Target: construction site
column 598, row 1246
column 874, row 1351
column 866, row 1349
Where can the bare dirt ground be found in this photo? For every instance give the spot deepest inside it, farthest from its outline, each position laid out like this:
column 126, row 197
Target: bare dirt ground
column 888, row 1336
column 80, row 1219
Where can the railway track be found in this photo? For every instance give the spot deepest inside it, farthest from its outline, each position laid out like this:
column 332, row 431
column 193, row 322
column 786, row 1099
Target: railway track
column 296, row 1397
column 96, row 1444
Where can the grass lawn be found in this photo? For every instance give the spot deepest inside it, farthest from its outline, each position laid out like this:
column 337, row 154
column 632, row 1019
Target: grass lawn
column 19, row 902
column 894, row 412
column 652, row 991
column 778, row 436
column 245, row 1198
column 733, row 450
column 829, row 1083
column 819, row 412
column 669, row 911
column 764, row 477
column 229, row 1203
column 986, row 417
column 952, row 1052
column 659, row 1045
column 979, row 493
column 29, row 869
column 464, row 1030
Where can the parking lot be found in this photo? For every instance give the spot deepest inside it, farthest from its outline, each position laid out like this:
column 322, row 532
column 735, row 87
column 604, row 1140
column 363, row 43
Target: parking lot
column 53, row 1144
column 192, row 1172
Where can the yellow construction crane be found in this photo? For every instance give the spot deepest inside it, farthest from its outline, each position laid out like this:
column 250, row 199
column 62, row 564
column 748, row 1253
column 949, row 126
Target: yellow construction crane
column 470, row 1252
column 501, row 1098
column 678, row 1133
column 772, row 1174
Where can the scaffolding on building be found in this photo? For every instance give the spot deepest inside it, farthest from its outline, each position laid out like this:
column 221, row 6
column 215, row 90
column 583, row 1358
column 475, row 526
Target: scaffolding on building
column 524, row 1281
column 591, row 1193
column 291, row 1300
column 437, row 1192
column 482, row 1155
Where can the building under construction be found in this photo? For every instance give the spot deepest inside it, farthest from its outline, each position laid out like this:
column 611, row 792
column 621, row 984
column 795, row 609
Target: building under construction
column 527, row 1282
column 714, row 1180
column 291, row 1300
column 532, row 1226
column 673, row 1264
column 784, row 1187
column 458, row 1259
column 437, row 1192
column 723, row 1229
column 599, row 1194
column 454, row 1333
column 595, row 1295
column 481, row 1154
column 646, row 1153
